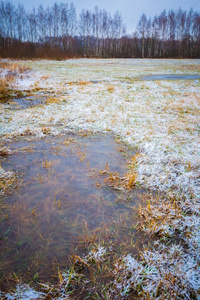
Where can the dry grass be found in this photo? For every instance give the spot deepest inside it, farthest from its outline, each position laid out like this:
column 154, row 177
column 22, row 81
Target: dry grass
column 46, row 130
column 110, row 88
column 158, row 215
column 112, row 179
column 13, row 68
column 45, row 77
column 4, row 65
column 130, row 179
column 52, row 100
column 6, row 183
column 11, row 71
column 4, row 87
column 7, row 180
column 5, row 152
column 83, row 82
column 78, row 82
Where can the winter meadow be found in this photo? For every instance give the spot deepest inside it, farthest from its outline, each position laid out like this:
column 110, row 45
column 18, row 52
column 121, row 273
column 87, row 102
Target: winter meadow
column 99, row 154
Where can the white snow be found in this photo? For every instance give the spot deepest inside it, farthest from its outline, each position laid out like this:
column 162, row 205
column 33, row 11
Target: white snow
column 24, row 292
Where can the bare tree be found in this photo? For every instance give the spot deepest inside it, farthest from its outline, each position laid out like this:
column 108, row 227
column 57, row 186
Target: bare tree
column 42, row 22
column 32, row 26
column 142, row 28
column 57, row 32
column 163, row 24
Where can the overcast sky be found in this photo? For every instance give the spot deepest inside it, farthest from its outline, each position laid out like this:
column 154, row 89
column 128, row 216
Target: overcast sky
column 131, row 10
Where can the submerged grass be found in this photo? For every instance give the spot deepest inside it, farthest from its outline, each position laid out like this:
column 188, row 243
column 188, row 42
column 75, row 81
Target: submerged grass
column 91, row 219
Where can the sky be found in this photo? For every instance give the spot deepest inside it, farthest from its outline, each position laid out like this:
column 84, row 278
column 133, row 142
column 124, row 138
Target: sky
column 131, row 10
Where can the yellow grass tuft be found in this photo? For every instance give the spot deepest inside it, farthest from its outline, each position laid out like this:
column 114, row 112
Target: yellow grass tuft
column 3, row 86
column 45, row 77
column 130, row 180
column 60, row 277
column 78, row 82
column 110, row 88
column 83, row 82
column 46, row 130
column 5, row 152
column 113, row 179
column 14, row 70
column 52, row 100
column 156, row 214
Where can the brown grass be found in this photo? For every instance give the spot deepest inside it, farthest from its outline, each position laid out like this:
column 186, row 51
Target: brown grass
column 112, row 179
column 110, row 88
column 46, row 130
column 83, row 82
column 156, row 214
column 14, row 70
column 78, row 82
column 4, row 87
column 52, row 100
column 7, row 182
column 130, row 180
column 5, row 151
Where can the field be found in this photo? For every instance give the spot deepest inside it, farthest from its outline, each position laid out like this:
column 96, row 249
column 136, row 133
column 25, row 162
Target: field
column 100, row 179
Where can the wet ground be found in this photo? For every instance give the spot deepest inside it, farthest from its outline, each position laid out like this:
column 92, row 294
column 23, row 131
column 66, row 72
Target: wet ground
column 63, row 199
column 170, row 77
column 23, row 102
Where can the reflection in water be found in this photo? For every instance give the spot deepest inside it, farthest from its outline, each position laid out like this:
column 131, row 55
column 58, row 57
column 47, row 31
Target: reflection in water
column 61, row 201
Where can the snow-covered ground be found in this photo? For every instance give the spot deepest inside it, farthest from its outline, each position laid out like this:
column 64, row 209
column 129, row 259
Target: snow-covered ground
column 159, row 118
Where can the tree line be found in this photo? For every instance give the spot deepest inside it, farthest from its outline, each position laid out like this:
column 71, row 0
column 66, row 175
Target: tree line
column 57, row 32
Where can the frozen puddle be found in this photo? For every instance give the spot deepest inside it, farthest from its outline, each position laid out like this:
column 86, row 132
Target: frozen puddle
column 170, row 77
column 62, row 198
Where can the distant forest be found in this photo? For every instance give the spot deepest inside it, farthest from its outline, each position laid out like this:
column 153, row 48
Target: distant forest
column 57, row 32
